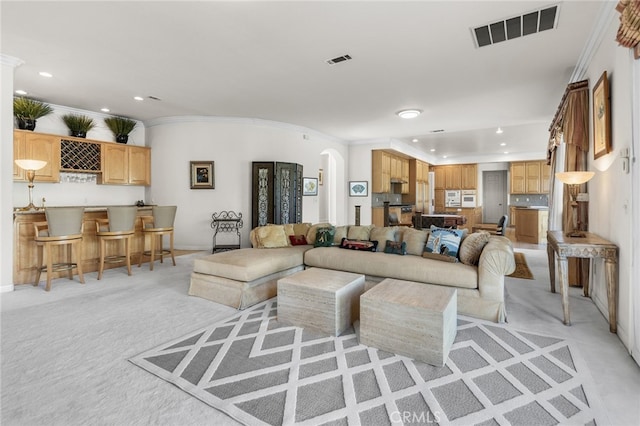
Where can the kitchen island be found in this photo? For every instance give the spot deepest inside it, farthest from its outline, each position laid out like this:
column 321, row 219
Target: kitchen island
column 25, row 260
column 441, row 220
column 531, row 224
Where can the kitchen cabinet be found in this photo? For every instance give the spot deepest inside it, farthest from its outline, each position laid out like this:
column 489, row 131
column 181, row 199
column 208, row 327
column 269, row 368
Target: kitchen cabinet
column 405, row 175
column 37, row 146
column 512, row 216
column 418, row 193
column 531, row 225
column 380, row 171
column 438, row 201
column 453, row 177
column 125, row 165
column 530, row 177
column 439, row 178
column 469, row 176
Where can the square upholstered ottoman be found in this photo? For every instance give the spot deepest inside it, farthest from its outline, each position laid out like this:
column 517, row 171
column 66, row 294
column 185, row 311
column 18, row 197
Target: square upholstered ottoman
column 320, row 299
column 411, row 319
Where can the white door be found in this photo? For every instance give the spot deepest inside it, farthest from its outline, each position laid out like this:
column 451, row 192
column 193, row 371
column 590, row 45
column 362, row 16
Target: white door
column 494, row 195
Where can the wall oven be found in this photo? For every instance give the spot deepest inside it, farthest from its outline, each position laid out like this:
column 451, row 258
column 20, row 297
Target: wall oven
column 468, row 199
column 451, row 198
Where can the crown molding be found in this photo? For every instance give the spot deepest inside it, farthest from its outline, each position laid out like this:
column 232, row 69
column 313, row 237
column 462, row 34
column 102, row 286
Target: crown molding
column 307, row 133
column 11, row 61
column 606, row 14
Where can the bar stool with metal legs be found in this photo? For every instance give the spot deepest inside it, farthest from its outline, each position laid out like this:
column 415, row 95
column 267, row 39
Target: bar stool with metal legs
column 119, row 225
column 158, row 225
column 64, row 226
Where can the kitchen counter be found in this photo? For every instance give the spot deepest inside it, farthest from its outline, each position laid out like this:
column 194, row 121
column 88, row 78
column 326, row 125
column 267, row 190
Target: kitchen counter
column 86, row 209
column 25, row 251
column 531, row 224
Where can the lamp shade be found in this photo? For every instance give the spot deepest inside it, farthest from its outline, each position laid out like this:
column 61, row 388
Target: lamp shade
column 574, row 178
column 31, row 164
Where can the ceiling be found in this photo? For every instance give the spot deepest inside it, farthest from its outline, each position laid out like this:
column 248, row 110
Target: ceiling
column 267, row 60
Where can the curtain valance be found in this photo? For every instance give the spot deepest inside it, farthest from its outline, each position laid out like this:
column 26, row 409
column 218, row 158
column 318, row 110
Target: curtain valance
column 629, row 30
column 571, row 119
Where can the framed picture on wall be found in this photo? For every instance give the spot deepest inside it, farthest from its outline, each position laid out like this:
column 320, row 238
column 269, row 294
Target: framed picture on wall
column 309, row 186
column 202, row 176
column 601, row 117
column 358, row 188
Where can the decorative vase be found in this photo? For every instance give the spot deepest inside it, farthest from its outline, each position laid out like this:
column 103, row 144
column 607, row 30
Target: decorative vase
column 122, row 138
column 26, row 124
column 78, row 133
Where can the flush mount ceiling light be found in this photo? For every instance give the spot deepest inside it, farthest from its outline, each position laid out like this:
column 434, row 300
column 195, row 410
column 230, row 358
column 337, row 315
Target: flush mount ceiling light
column 503, row 144
column 45, row 74
column 409, row 113
column 138, row 98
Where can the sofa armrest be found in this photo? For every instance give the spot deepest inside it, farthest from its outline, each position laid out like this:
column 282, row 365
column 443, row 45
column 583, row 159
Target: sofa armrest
column 496, row 261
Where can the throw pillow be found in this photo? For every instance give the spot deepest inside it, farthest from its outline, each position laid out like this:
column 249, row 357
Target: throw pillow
column 444, row 241
column 324, row 236
column 381, row 235
column 395, row 247
column 416, row 240
column 311, row 234
column 359, row 232
column 272, row 236
column 471, row 247
column 362, row 245
column 297, row 240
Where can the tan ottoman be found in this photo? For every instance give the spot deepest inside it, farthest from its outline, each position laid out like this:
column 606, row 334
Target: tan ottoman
column 320, row 299
column 411, row 319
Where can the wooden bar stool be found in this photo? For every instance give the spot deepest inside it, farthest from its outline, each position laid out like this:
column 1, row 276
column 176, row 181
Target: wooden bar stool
column 64, row 226
column 120, row 225
column 158, row 225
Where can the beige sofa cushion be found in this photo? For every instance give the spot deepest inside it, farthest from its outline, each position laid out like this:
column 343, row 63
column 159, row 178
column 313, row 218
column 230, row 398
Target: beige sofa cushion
column 250, row 264
column 382, row 234
column 359, row 232
column 410, row 268
column 341, row 232
column 415, row 239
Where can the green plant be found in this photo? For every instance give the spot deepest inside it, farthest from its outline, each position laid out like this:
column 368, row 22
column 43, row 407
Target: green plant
column 30, row 109
column 120, row 125
column 78, row 123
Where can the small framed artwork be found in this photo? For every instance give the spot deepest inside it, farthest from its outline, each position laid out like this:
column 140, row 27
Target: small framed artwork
column 320, row 177
column 309, row 186
column 358, row 188
column 202, row 176
column 601, row 118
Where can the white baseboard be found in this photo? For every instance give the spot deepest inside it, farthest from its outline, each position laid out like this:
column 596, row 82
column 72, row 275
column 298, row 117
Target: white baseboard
column 6, row 288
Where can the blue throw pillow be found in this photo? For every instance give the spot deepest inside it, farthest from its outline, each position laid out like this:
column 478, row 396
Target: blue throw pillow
column 395, row 247
column 444, row 241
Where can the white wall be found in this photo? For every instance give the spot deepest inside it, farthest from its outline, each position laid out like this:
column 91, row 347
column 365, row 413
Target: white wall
column 610, row 189
column 80, row 194
column 233, row 144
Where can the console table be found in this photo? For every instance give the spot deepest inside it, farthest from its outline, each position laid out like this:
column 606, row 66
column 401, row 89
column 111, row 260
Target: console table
column 590, row 246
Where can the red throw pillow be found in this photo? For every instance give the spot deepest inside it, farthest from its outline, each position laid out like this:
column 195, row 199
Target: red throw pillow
column 297, row 240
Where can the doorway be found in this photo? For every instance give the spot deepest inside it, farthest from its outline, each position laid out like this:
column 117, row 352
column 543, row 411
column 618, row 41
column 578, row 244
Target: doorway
column 494, row 195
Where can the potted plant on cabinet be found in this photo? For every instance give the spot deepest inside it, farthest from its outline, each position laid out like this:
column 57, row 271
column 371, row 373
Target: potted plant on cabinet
column 27, row 111
column 120, row 127
column 78, row 125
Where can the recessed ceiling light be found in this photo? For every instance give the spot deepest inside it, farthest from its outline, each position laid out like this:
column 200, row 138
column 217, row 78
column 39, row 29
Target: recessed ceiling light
column 409, row 113
column 499, row 131
column 432, row 150
column 444, row 156
column 138, row 98
column 506, row 152
column 105, row 109
column 21, row 92
column 46, row 74
column 414, row 140
column 503, row 144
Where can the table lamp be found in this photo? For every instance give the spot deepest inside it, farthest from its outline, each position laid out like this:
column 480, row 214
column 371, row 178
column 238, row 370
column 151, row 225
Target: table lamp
column 30, row 166
column 574, row 180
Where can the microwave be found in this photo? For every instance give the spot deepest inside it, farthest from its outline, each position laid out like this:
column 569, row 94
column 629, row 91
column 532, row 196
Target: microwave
column 468, row 199
column 452, row 198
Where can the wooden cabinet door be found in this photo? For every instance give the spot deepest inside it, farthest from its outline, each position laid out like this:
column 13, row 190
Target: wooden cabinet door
column 115, row 164
column 545, row 179
column 518, row 171
column 377, row 216
column 438, row 203
column 405, row 175
column 39, row 146
column 139, row 165
column 469, row 176
column 453, row 177
column 376, row 171
column 533, row 176
column 440, row 177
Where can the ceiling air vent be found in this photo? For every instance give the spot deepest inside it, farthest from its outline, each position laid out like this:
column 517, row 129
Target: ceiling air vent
column 517, row 26
column 339, row 59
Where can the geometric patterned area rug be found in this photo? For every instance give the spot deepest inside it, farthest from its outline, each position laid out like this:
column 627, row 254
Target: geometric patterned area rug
column 261, row 372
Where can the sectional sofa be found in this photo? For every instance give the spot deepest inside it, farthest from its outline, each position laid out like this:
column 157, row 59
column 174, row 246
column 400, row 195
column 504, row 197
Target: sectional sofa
column 244, row 277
